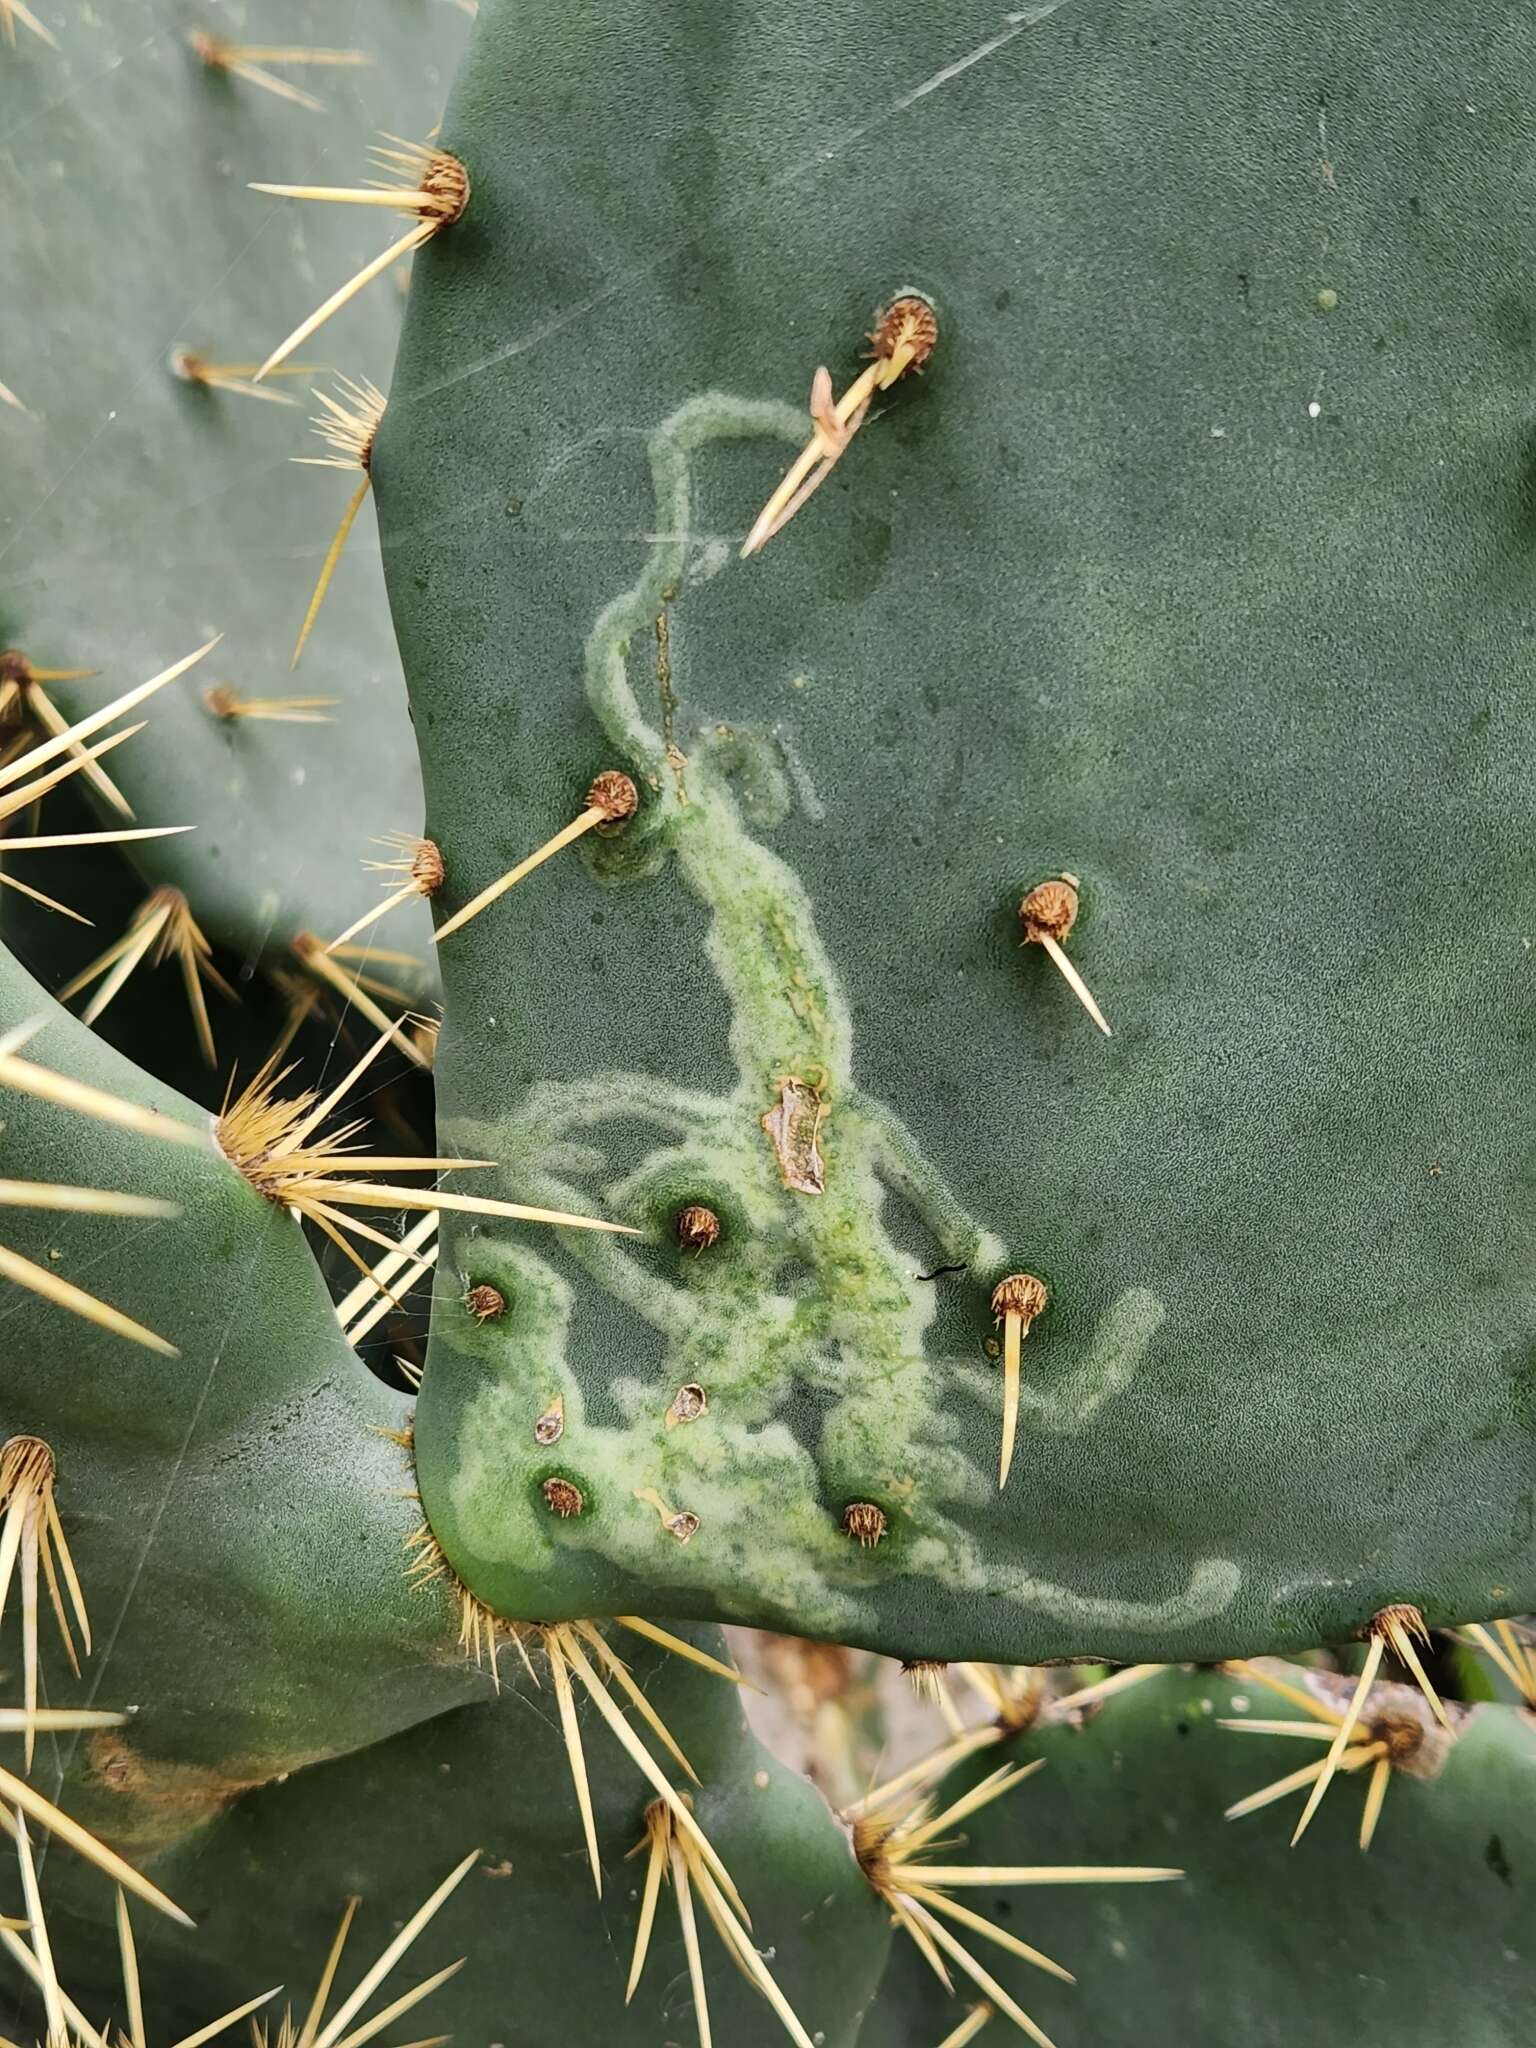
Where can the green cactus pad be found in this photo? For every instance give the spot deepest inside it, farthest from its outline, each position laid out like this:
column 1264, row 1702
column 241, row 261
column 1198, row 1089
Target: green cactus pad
column 1425, row 1938
column 547, row 1960
column 1157, row 575
column 143, row 513
column 234, row 1514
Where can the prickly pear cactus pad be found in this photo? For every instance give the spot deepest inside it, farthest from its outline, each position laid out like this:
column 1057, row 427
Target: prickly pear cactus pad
column 1193, row 565
column 145, row 508
column 1425, row 1938
column 547, row 1960
column 233, row 1511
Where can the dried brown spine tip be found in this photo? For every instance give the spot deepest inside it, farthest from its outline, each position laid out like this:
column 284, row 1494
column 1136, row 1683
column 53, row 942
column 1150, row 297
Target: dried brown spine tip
column 485, row 1303
column 564, row 1498
column 697, row 1227
column 1050, row 909
column 615, row 795
column 427, row 869
column 909, row 319
column 863, row 1521
column 1022, row 1295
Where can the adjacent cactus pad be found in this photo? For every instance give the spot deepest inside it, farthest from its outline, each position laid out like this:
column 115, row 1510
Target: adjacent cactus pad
column 150, row 501
column 1192, row 568
column 1324, row 1946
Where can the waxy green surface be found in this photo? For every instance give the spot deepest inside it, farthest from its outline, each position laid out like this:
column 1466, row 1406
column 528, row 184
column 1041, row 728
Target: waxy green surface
column 547, row 1959
column 1161, row 575
column 142, row 514
column 234, row 1514
column 1424, row 1938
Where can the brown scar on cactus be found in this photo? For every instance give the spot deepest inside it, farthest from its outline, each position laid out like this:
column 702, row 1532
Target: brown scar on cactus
column 1386, row 1740
column 794, row 1127
column 1046, row 917
column 165, row 922
column 348, row 426
column 697, row 1228
column 419, row 860
column 674, row 1855
column 679, row 1523
column 1016, row 1301
column 612, row 800
column 687, row 1405
column 563, row 1497
column 550, row 1426
column 864, row 1522
column 895, row 1829
column 430, row 185
column 903, row 338
column 487, row 1304
column 224, row 701
column 249, row 61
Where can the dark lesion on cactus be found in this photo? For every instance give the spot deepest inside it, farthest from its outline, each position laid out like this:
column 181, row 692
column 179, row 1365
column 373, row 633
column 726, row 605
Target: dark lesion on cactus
column 865, row 1523
column 562, row 1496
column 485, row 1303
column 696, row 1228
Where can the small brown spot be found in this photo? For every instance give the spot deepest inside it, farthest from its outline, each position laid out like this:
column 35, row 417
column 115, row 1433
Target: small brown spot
column 223, row 700
column 1021, row 1295
column 684, row 1525
column 446, row 184
column 863, row 1521
column 564, row 1498
column 688, row 1404
column 427, row 870
column 550, row 1426
column 794, row 1125
column 485, row 1303
column 15, row 667
column 1050, row 909
column 697, row 1227
column 908, row 319
column 614, row 795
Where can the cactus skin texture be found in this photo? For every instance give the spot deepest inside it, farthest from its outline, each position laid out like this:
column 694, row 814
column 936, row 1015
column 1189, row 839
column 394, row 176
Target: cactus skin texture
column 547, row 1960
column 142, row 511
column 1425, row 1938
column 234, row 1514
column 1166, row 573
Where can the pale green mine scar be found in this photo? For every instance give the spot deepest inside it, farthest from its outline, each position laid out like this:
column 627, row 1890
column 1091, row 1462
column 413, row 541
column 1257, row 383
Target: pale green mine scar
column 768, row 1506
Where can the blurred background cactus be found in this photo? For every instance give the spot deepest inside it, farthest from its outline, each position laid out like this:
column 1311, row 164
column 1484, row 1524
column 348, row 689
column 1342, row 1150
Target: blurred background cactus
column 783, row 1290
